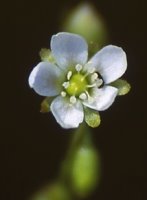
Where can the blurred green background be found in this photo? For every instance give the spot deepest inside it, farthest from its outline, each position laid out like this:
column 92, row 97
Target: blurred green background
column 33, row 144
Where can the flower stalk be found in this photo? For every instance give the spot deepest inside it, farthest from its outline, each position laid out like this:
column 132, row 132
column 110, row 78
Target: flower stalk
column 80, row 170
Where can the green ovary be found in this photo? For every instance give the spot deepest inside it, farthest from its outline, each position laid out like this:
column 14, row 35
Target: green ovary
column 77, row 85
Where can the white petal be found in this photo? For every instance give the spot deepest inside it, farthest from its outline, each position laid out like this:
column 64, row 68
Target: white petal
column 67, row 115
column 44, row 79
column 69, row 49
column 102, row 98
column 110, row 62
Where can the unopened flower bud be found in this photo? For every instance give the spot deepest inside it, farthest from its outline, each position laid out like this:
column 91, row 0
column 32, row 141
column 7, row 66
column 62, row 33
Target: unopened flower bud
column 85, row 21
column 85, row 171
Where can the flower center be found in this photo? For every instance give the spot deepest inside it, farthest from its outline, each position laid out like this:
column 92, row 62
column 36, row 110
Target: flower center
column 80, row 83
column 77, row 85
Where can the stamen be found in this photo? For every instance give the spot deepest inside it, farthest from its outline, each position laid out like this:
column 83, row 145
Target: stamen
column 78, row 67
column 89, row 71
column 94, row 77
column 83, row 96
column 90, row 99
column 63, row 94
column 92, row 85
column 73, row 99
column 65, row 85
column 69, row 74
column 99, row 82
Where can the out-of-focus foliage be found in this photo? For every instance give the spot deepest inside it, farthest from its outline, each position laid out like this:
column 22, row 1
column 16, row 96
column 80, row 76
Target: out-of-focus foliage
column 85, row 21
column 56, row 191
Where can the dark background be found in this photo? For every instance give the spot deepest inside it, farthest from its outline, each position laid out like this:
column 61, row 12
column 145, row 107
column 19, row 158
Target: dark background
column 33, row 144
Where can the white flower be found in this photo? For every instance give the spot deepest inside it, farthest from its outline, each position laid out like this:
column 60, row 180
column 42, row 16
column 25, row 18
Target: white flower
column 76, row 83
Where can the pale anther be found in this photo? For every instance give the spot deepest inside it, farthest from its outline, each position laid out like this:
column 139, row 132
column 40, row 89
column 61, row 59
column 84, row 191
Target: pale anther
column 83, row 96
column 78, row 67
column 91, row 70
column 73, row 99
column 94, row 77
column 63, row 94
column 99, row 82
column 69, row 74
column 65, row 85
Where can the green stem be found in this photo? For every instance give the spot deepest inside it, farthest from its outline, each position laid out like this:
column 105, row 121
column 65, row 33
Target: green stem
column 80, row 136
column 77, row 138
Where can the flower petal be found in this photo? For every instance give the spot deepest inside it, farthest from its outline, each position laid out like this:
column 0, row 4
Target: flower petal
column 67, row 115
column 110, row 62
column 44, row 79
column 69, row 49
column 102, row 98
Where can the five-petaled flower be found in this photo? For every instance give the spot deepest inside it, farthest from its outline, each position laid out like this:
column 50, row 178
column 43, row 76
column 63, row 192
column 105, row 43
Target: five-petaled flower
column 75, row 82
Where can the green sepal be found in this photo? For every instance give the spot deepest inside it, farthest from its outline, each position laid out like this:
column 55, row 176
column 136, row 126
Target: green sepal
column 92, row 117
column 122, row 85
column 46, row 55
column 45, row 105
